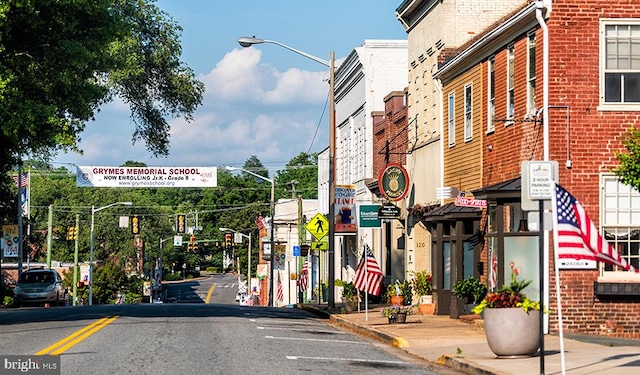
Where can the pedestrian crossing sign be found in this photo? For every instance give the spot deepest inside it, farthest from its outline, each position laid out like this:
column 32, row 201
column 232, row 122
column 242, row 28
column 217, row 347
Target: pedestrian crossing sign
column 318, row 226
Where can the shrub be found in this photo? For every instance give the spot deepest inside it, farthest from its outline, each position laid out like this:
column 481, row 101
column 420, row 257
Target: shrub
column 470, row 289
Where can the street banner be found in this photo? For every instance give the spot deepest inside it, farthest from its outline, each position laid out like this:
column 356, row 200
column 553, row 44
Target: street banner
column 147, row 177
column 10, row 240
column 345, row 209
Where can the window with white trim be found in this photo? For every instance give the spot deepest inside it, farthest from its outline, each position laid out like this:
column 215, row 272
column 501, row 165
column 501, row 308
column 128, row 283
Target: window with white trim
column 620, row 224
column 452, row 121
column 491, row 94
column 468, row 120
column 620, row 62
column 531, row 73
column 511, row 82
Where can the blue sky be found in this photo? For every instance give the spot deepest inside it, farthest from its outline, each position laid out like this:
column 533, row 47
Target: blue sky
column 265, row 100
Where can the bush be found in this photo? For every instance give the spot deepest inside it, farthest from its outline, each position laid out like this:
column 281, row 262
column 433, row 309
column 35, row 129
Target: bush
column 470, row 289
column 422, row 283
column 172, row 277
column 8, row 301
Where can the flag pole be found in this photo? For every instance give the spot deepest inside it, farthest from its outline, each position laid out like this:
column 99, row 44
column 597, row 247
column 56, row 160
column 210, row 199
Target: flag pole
column 554, row 211
column 366, row 293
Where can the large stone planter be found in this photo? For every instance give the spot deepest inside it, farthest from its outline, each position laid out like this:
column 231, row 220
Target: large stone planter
column 512, row 332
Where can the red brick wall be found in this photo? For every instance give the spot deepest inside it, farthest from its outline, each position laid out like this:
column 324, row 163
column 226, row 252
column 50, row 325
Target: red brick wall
column 390, row 126
column 578, row 131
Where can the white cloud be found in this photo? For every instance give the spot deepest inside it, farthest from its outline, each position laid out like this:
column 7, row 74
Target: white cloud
column 249, row 108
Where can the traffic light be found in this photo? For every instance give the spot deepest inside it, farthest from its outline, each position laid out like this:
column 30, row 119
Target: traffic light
column 135, row 225
column 227, row 240
column 192, row 246
column 181, row 227
column 72, row 234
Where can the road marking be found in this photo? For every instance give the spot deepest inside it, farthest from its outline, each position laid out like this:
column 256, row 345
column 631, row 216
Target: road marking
column 319, row 340
column 73, row 339
column 345, row 360
column 304, row 330
column 210, row 293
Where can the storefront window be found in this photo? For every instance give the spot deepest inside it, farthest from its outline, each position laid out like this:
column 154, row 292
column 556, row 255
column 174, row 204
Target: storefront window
column 515, row 219
column 446, row 252
column 468, row 259
column 523, row 252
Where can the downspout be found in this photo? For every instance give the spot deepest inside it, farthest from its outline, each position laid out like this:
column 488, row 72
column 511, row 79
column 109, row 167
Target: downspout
column 540, row 6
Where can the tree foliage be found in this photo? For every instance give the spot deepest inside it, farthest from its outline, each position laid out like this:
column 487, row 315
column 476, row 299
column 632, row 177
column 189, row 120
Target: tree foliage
column 60, row 60
column 628, row 171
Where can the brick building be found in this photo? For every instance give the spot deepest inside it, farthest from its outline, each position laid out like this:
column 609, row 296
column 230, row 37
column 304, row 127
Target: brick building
column 593, row 98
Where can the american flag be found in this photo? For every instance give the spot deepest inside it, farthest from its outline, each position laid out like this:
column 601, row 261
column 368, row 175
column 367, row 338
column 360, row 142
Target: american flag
column 24, row 179
column 304, row 276
column 493, row 283
column 368, row 274
column 576, row 235
column 280, row 292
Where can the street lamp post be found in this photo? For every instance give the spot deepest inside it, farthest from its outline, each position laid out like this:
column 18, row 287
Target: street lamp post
column 246, row 41
column 248, row 254
column 93, row 214
column 272, row 210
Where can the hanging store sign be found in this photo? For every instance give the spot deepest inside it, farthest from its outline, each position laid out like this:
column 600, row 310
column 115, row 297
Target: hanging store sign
column 393, row 182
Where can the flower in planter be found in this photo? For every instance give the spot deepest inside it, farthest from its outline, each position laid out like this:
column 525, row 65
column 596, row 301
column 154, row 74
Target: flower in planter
column 394, row 310
column 509, row 295
column 421, row 283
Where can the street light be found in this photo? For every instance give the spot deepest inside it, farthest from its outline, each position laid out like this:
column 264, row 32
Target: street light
column 93, row 214
column 248, row 254
column 246, row 41
column 272, row 210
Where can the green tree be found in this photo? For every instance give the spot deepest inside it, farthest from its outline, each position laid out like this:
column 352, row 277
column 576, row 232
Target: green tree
column 60, row 60
column 628, row 171
column 302, row 171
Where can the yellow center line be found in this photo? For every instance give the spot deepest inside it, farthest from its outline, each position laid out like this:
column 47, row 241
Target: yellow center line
column 210, row 293
column 73, row 339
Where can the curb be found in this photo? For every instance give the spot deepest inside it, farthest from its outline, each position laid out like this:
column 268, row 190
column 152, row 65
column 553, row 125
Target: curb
column 397, row 342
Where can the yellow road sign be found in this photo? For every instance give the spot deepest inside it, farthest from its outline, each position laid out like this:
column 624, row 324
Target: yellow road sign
column 318, row 226
column 320, row 245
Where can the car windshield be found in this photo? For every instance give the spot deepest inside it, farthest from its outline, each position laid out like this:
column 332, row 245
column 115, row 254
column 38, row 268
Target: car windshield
column 36, row 277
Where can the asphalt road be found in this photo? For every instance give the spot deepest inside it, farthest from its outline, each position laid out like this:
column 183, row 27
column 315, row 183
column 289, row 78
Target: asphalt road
column 194, row 337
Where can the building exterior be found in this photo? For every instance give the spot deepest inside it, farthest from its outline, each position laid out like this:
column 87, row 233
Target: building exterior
column 289, row 234
column 434, row 26
column 576, row 117
column 389, row 147
column 362, row 81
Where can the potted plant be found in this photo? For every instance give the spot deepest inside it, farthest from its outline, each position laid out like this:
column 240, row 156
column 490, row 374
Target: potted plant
column 396, row 313
column 395, row 294
column 421, row 285
column 349, row 296
column 511, row 325
column 470, row 291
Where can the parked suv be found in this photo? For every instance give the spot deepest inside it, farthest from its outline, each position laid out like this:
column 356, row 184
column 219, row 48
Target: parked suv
column 40, row 287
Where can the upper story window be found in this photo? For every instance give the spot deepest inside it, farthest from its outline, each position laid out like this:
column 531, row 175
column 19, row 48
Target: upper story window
column 452, row 121
column 511, row 86
column 531, row 73
column 491, row 94
column 620, row 63
column 620, row 224
column 468, row 119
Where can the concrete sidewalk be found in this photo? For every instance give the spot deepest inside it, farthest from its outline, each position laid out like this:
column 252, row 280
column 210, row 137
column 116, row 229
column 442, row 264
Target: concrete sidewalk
column 462, row 346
